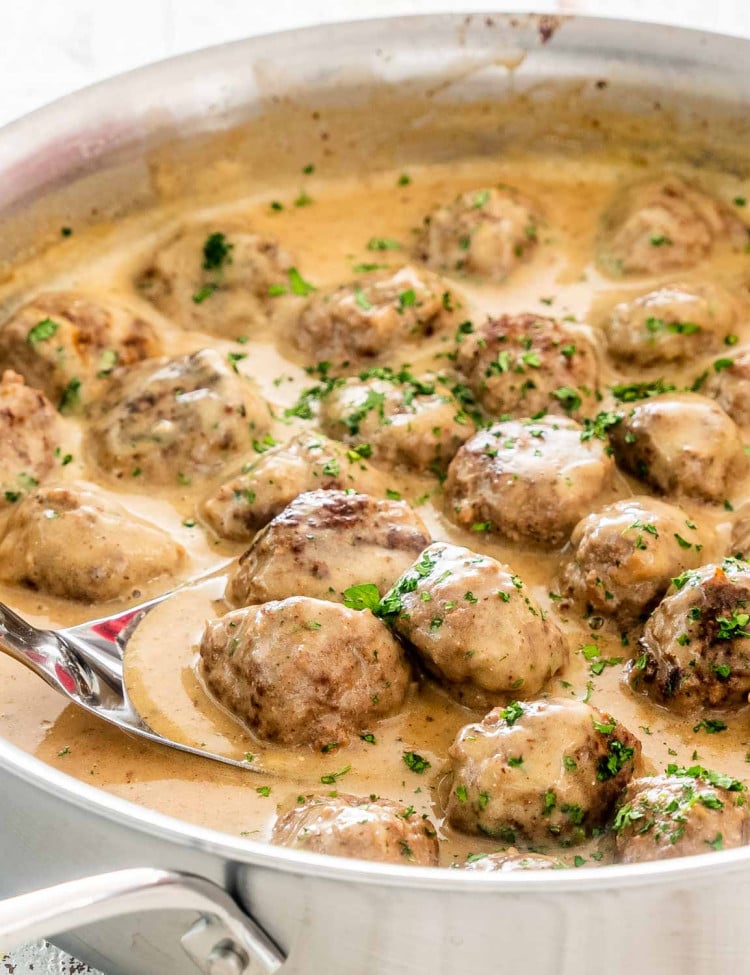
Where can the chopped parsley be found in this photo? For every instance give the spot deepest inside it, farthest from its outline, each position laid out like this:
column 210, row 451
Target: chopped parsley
column 363, row 596
column 217, row 252
column 41, row 331
column 415, row 762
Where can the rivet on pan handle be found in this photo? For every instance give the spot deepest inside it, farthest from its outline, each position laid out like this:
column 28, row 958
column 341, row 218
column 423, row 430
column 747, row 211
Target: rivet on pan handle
column 224, row 941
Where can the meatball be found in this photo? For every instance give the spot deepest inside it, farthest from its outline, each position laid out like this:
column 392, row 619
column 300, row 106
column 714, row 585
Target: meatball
column 729, row 384
column 74, row 541
column 301, row 671
column 547, row 770
column 215, row 280
column 367, row 317
column 404, row 422
column 175, row 419
column 527, row 479
column 30, row 434
column 485, row 232
column 524, row 365
column 624, row 556
column 674, row 323
column 683, row 813
column 307, row 462
column 67, row 344
column 695, row 648
column 681, row 444
column 364, row 829
column 511, row 860
column 323, row 543
column 474, row 625
column 664, row 224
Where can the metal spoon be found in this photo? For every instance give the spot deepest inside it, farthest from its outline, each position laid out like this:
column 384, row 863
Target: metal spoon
column 85, row 664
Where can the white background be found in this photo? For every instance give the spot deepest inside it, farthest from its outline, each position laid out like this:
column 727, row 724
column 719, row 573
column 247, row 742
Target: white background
column 51, row 47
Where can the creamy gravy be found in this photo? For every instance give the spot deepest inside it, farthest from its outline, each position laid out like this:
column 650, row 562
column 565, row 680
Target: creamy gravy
column 328, row 237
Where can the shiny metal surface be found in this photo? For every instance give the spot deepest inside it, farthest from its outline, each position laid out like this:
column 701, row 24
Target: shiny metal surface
column 222, row 939
column 84, row 664
column 341, row 916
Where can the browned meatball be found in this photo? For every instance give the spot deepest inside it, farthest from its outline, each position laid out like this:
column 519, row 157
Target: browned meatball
column 681, row 444
column 66, row 344
column 511, row 860
column 30, row 435
column 216, row 277
column 695, row 649
column 302, row 671
column 664, row 224
column 524, row 365
column 675, row 322
column 364, row 829
column 365, row 318
column 683, row 813
column 307, row 462
column 323, row 543
column 546, row 770
column 74, row 541
column 406, row 421
column 171, row 420
column 624, row 556
column 487, row 232
column 527, row 479
column 729, row 384
column 474, row 624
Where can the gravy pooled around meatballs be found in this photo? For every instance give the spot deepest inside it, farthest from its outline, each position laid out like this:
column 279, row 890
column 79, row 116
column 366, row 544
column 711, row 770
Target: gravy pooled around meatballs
column 485, row 232
column 475, row 625
column 524, row 365
column 76, row 542
column 527, row 480
column 364, row 319
column 695, row 648
column 323, row 543
column 365, row 829
column 174, row 419
column 215, row 281
column 624, row 556
column 540, row 772
column 302, row 671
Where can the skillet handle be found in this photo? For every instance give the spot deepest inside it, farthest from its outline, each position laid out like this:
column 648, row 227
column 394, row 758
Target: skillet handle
column 223, row 941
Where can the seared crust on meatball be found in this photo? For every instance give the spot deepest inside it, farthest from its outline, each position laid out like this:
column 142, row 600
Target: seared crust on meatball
column 363, row 319
column 624, row 556
column 695, row 648
column 527, row 479
column 30, row 433
column 509, row 861
column 215, row 278
column 485, row 232
column 174, row 419
column 307, row 462
column 546, row 770
column 525, row 364
column 409, row 422
column 74, row 541
column 66, row 344
column 664, row 224
column 475, row 626
column 302, row 671
column 323, row 543
column 729, row 385
column 364, row 829
column 681, row 444
column 672, row 323
column 681, row 814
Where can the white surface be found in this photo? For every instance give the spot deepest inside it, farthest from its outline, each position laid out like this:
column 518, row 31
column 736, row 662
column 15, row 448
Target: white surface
column 51, row 48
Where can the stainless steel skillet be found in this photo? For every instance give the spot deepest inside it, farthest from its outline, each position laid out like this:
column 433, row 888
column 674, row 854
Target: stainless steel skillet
column 343, row 917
